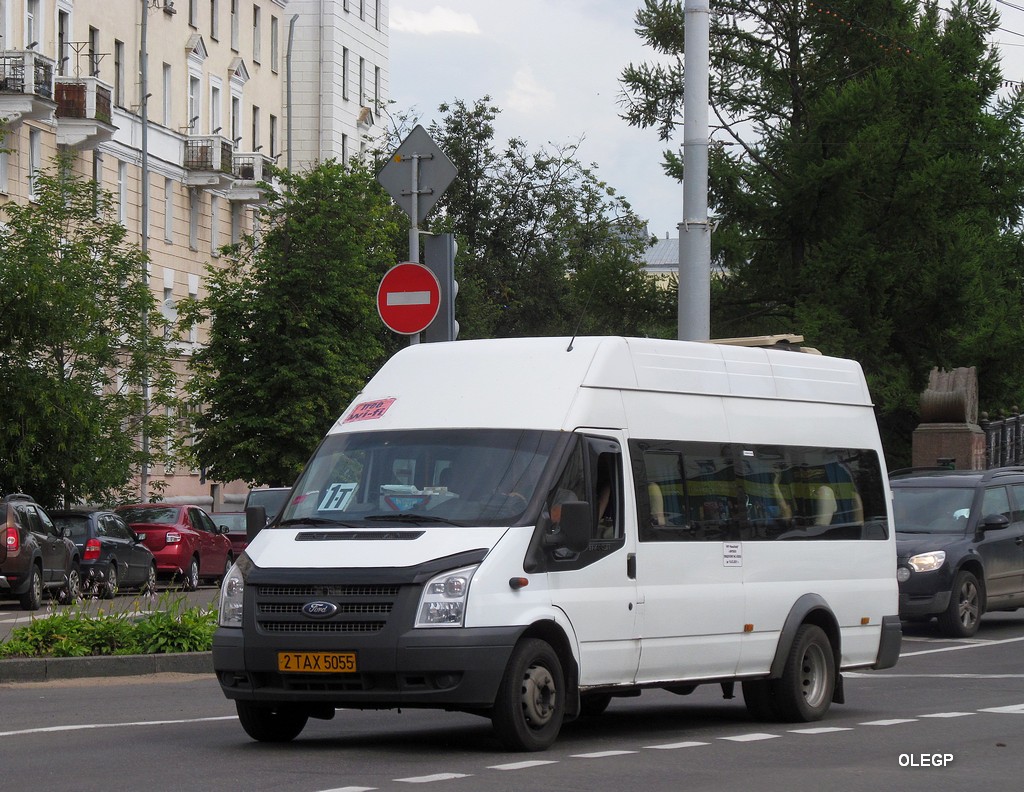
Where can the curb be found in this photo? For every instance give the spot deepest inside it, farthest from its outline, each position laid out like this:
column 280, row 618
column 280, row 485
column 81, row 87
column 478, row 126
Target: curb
column 47, row 669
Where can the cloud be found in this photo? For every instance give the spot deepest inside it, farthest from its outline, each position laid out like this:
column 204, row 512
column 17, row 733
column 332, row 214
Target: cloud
column 436, row 20
column 528, row 96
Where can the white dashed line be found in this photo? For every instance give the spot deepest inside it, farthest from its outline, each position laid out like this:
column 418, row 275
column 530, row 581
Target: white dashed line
column 431, row 778
column 889, row 722
column 821, row 730
column 750, row 737
column 601, row 754
column 673, row 746
column 946, row 714
column 1016, row 709
column 350, row 789
column 522, row 765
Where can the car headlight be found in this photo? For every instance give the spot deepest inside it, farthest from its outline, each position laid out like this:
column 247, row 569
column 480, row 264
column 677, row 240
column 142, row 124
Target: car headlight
column 443, row 603
column 232, row 589
column 927, row 562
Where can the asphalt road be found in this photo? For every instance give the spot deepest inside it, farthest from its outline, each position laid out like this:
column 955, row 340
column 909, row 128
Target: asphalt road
column 950, row 715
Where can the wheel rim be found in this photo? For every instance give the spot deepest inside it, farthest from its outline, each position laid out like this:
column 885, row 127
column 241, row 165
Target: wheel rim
column 968, row 604
column 539, row 696
column 193, row 574
column 151, row 579
column 814, row 675
column 112, row 580
column 74, row 585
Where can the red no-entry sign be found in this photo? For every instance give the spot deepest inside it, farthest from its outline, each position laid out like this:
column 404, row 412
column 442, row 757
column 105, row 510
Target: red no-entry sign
column 408, row 298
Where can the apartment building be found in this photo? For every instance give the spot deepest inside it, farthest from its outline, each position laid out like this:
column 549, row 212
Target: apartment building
column 193, row 98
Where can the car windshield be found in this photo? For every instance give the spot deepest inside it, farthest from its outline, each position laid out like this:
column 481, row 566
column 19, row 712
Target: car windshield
column 76, row 526
column 932, row 509
column 151, row 514
column 459, row 477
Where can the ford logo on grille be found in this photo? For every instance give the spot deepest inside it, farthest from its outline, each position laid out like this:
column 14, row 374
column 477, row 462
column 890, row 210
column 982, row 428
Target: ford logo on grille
column 319, row 609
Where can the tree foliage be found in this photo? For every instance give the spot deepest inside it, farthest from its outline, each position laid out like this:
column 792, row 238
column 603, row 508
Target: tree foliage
column 867, row 174
column 74, row 349
column 545, row 246
column 293, row 328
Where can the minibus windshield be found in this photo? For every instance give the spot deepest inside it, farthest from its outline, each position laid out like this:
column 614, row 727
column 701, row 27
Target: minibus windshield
column 463, row 477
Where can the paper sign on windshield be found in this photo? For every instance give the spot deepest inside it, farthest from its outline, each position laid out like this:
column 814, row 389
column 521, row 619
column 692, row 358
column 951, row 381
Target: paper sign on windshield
column 369, row 411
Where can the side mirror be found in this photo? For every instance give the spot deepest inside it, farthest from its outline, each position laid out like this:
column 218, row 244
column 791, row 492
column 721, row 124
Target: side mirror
column 992, row 522
column 255, row 521
column 577, row 525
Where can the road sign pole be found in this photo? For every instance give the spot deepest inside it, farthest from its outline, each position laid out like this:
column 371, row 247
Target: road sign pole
column 414, row 228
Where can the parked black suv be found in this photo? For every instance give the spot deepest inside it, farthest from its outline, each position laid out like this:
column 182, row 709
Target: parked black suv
column 35, row 554
column 113, row 556
column 959, row 544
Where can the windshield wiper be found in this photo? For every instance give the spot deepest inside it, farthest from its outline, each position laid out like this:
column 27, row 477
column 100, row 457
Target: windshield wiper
column 315, row 521
column 409, row 517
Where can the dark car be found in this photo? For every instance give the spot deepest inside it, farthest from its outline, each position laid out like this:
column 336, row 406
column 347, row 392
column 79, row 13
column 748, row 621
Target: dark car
column 35, row 555
column 113, row 556
column 234, row 524
column 272, row 499
column 186, row 543
column 959, row 544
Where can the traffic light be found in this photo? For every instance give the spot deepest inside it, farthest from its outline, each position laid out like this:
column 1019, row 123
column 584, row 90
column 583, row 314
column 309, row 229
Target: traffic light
column 439, row 256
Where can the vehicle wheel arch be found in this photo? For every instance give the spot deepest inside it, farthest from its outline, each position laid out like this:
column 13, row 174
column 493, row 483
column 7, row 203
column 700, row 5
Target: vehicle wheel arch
column 552, row 634
column 808, row 609
column 974, row 565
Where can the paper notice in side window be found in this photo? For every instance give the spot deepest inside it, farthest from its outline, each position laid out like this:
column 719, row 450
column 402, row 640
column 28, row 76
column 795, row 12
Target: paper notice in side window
column 369, row 411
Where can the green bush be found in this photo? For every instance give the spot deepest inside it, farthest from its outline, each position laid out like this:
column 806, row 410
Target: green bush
column 68, row 634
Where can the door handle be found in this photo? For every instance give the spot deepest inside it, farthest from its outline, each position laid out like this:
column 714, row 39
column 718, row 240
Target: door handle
column 631, row 566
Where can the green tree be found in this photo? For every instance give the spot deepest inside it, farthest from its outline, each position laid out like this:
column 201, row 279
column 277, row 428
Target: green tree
column 545, row 246
column 293, row 328
column 74, row 349
column 867, row 174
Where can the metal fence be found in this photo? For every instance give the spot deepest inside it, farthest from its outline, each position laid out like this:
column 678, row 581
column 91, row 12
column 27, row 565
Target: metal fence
column 1004, row 439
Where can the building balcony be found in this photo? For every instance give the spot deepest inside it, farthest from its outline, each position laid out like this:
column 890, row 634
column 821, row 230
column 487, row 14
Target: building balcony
column 208, row 161
column 26, row 86
column 250, row 168
column 83, row 112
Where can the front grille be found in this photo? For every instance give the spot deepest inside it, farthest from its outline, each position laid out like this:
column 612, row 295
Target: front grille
column 361, row 608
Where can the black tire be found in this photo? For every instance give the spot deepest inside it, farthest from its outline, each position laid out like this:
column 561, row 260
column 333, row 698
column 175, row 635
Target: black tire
column 759, row 696
column 110, row 587
column 804, row 691
column 149, row 585
column 962, row 617
column 530, row 704
column 191, row 582
column 32, row 599
column 71, row 591
column 271, row 723
column 595, row 704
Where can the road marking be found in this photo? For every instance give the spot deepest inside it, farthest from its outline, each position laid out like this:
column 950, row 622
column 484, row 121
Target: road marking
column 962, row 646
column 673, row 746
column 1016, row 709
column 821, row 730
column 350, row 789
column 84, row 726
column 750, row 737
column 523, row 765
column 888, row 722
column 430, row 778
column 947, row 715
column 601, row 754
column 934, row 676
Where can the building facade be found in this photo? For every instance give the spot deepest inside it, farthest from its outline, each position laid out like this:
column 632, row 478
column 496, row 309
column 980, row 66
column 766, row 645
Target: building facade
column 193, row 98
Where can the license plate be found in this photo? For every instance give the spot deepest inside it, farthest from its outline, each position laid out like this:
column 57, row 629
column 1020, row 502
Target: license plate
column 316, row 662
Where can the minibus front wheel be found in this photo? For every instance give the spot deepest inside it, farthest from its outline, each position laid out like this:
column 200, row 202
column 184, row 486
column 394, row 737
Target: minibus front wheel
column 530, row 705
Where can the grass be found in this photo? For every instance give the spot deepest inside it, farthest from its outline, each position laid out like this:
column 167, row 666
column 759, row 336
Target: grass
column 165, row 626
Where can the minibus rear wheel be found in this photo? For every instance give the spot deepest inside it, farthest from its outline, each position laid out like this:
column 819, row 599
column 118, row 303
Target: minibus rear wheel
column 804, row 691
column 530, row 704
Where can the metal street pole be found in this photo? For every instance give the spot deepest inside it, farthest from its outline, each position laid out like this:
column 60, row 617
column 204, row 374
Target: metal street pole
column 144, row 103
column 695, row 230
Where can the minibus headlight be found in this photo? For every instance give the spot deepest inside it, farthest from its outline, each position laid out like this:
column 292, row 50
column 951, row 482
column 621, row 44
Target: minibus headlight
column 232, row 589
column 927, row 562
column 443, row 603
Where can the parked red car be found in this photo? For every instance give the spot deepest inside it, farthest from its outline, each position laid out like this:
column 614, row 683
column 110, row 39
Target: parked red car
column 184, row 540
column 234, row 525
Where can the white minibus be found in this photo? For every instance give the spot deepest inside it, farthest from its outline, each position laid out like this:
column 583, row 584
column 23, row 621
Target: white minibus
column 528, row 528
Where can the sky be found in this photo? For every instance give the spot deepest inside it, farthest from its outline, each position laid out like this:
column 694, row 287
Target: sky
column 553, row 68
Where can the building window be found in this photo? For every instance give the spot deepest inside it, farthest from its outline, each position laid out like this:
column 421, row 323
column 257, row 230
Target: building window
column 214, row 20
column 3, row 168
column 193, row 294
column 193, row 219
column 193, row 103
column 122, row 193
column 376, row 15
column 362, row 10
column 118, row 73
column 97, row 181
column 94, row 52
column 234, row 25
column 34, row 162
column 236, row 120
column 236, row 223
column 256, row 128
column 193, row 12
column 275, row 45
column 33, row 24
column 344, row 73
column 362, row 82
column 376, row 88
column 273, row 136
column 256, row 33
column 63, row 31
column 168, row 210
column 215, row 125
column 344, row 149
column 168, row 94
column 214, row 223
